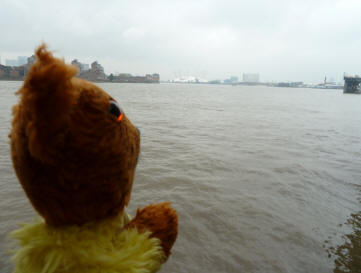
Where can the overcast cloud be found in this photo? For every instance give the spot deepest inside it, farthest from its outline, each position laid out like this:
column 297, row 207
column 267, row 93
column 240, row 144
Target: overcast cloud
column 283, row 40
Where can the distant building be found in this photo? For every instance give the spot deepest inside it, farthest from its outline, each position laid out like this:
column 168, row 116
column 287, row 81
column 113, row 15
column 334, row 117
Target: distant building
column 84, row 67
column 81, row 67
column 76, row 63
column 250, row 77
column 95, row 66
column 152, row 77
column 129, row 78
column 9, row 62
column 95, row 73
column 18, row 68
column 22, row 60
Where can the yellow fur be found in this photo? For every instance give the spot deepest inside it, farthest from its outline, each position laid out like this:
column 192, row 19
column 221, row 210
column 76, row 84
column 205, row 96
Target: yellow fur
column 101, row 247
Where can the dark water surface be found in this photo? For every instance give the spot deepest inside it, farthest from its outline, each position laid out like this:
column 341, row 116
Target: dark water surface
column 264, row 179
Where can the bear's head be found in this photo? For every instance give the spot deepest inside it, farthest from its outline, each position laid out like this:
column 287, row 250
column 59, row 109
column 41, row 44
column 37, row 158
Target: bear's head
column 73, row 149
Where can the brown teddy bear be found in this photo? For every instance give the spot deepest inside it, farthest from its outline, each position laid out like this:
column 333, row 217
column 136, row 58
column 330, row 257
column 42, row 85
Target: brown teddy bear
column 75, row 153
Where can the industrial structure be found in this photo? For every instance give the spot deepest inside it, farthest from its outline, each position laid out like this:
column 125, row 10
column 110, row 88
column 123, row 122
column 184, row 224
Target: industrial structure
column 352, row 84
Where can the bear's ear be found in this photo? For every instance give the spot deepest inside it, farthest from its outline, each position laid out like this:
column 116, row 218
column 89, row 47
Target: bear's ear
column 47, row 98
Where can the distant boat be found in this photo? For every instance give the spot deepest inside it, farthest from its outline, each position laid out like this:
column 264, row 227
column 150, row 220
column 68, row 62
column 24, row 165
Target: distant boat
column 333, row 86
column 329, row 86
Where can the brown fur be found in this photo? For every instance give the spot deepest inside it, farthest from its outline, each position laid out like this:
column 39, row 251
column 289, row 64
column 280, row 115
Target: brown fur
column 75, row 162
column 161, row 220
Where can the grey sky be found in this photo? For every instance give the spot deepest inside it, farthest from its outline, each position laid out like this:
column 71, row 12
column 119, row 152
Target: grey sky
column 283, row 40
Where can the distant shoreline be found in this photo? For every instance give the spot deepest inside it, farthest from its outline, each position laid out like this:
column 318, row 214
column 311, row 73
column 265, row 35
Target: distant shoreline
column 95, row 73
column 195, row 83
column 21, row 80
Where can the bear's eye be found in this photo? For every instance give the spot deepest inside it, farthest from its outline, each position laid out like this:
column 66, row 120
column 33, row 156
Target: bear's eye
column 114, row 109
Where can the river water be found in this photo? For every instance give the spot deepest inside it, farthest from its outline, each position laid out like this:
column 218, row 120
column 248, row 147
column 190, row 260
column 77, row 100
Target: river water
column 264, row 179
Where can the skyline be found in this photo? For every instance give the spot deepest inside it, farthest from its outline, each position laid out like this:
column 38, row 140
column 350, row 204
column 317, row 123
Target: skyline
column 280, row 40
column 253, row 77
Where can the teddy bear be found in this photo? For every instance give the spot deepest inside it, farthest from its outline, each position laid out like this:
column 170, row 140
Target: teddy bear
column 75, row 152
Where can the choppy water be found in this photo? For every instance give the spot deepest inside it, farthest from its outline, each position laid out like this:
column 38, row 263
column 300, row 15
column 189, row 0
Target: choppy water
column 264, row 179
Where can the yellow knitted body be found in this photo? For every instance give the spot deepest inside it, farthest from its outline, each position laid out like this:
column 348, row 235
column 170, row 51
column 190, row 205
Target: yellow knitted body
column 101, row 247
